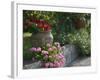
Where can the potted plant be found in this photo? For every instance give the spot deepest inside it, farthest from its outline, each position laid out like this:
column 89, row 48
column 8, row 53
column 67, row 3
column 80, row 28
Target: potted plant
column 41, row 33
column 50, row 56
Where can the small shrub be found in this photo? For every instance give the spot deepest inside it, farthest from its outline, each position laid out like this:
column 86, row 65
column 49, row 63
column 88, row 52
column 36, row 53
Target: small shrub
column 81, row 38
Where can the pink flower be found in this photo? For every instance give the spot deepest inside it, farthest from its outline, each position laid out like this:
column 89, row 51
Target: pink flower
column 51, row 64
column 61, row 64
column 63, row 59
column 33, row 49
column 45, row 52
column 54, row 65
column 57, row 64
column 61, row 56
column 38, row 49
column 46, row 65
column 50, row 49
column 46, row 56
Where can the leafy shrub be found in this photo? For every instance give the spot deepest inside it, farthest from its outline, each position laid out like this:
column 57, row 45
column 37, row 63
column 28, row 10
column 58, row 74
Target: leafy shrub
column 81, row 38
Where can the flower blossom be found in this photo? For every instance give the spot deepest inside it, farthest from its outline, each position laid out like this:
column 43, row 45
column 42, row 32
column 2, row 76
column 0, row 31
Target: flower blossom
column 33, row 49
column 46, row 56
column 51, row 64
column 50, row 49
column 38, row 49
column 46, row 65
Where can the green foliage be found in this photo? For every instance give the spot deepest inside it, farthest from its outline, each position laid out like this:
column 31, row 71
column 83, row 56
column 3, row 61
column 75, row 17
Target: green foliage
column 80, row 38
column 33, row 29
column 26, row 46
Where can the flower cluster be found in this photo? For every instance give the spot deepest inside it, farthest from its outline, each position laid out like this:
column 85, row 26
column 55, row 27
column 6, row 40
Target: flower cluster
column 43, row 25
column 51, row 56
column 38, row 25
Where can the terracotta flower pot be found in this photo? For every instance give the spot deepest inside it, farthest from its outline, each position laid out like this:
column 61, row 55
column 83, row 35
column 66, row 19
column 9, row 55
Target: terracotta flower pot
column 41, row 38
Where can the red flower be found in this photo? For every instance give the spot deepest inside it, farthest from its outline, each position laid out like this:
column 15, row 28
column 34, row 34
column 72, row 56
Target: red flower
column 42, row 24
column 47, row 27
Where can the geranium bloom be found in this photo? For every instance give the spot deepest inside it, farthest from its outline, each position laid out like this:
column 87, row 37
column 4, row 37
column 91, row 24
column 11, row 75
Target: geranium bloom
column 50, row 49
column 51, row 55
column 38, row 49
column 46, row 56
column 56, row 64
column 33, row 49
column 61, row 63
column 51, row 64
column 47, row 65
column 61, row 55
